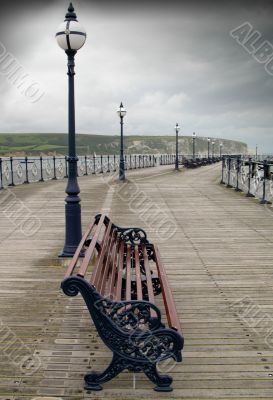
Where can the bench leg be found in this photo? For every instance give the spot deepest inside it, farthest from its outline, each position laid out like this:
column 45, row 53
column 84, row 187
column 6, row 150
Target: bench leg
column 163, row 382
column 93, row 380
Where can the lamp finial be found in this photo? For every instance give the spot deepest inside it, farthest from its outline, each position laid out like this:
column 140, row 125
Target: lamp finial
column 70, row 15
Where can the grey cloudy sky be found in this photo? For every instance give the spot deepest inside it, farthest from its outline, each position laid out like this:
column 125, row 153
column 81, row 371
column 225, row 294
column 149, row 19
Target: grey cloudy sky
column 168, row 62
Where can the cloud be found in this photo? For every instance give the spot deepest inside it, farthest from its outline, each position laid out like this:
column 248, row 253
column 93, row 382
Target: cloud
column 168, row 63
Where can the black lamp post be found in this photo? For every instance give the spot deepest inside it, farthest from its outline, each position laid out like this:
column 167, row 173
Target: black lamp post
column 212, row 150
column 177, row 129
column 121, row 113
column 193, row 145
column 71, row 37
column 208, row 147
column 221, row 146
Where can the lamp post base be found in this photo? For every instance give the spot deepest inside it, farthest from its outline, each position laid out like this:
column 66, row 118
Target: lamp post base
column 73, row 229
column 122, row 171
column 68, row 252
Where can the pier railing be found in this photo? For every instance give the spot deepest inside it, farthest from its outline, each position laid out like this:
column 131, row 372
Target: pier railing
column 188, row 159
column 24, row 170
column 19, row 170
column 253, row 177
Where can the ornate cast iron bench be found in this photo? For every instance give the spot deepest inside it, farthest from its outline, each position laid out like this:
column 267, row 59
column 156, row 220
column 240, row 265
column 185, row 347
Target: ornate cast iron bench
column 120, row 293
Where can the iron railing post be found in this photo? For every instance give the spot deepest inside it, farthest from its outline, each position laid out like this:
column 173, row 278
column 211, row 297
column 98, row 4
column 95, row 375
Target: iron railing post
column 249, row 194
column 77, row 170
column 54, row 168
column 11, row 172
column 66, row 167
column 229, row 170
column 114, row 163
column 41, row 170
column 85, row 163
column 26, row 161
column 238, row 168
column 264, row 201
column 1, row 175
column 223, row 164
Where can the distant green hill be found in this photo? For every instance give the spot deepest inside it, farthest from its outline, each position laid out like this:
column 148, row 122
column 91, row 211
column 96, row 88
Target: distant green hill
column 49, row 144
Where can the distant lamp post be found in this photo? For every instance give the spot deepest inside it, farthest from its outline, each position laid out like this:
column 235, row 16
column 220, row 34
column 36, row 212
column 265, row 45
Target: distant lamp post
column 256, row 152
column 121, row 113
column 177, row 129
column 212, row 149
column 221, row 147
column 71, row 37
column 193, row 145
column 208, row 146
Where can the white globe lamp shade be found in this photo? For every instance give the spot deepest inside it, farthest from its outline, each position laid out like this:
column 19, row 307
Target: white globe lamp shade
column 194, row 134
column 177, row 127
column 71, row 35
column 121, row 111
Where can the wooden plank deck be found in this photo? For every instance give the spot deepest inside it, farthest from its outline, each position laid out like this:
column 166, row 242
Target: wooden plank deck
column 221, row 252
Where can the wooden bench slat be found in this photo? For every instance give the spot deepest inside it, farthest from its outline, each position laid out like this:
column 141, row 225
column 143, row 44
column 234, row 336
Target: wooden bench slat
column 128, row 273
column 171, row 312
column 107, row 264
column 148, row 274
column 138, row 275
column 97, row 275
column 114, row 271
column 74, row 259
column 120, row 272
column 91, row 248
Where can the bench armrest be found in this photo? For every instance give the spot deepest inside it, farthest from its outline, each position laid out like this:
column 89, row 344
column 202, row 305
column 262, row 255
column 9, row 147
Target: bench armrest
column 129, row 235
column 131, row 315
column 126, row 315
column 158, row 345
column 153, row 344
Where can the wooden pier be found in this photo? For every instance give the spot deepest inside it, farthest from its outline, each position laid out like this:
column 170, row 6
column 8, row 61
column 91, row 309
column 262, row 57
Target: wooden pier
column 219, row 261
